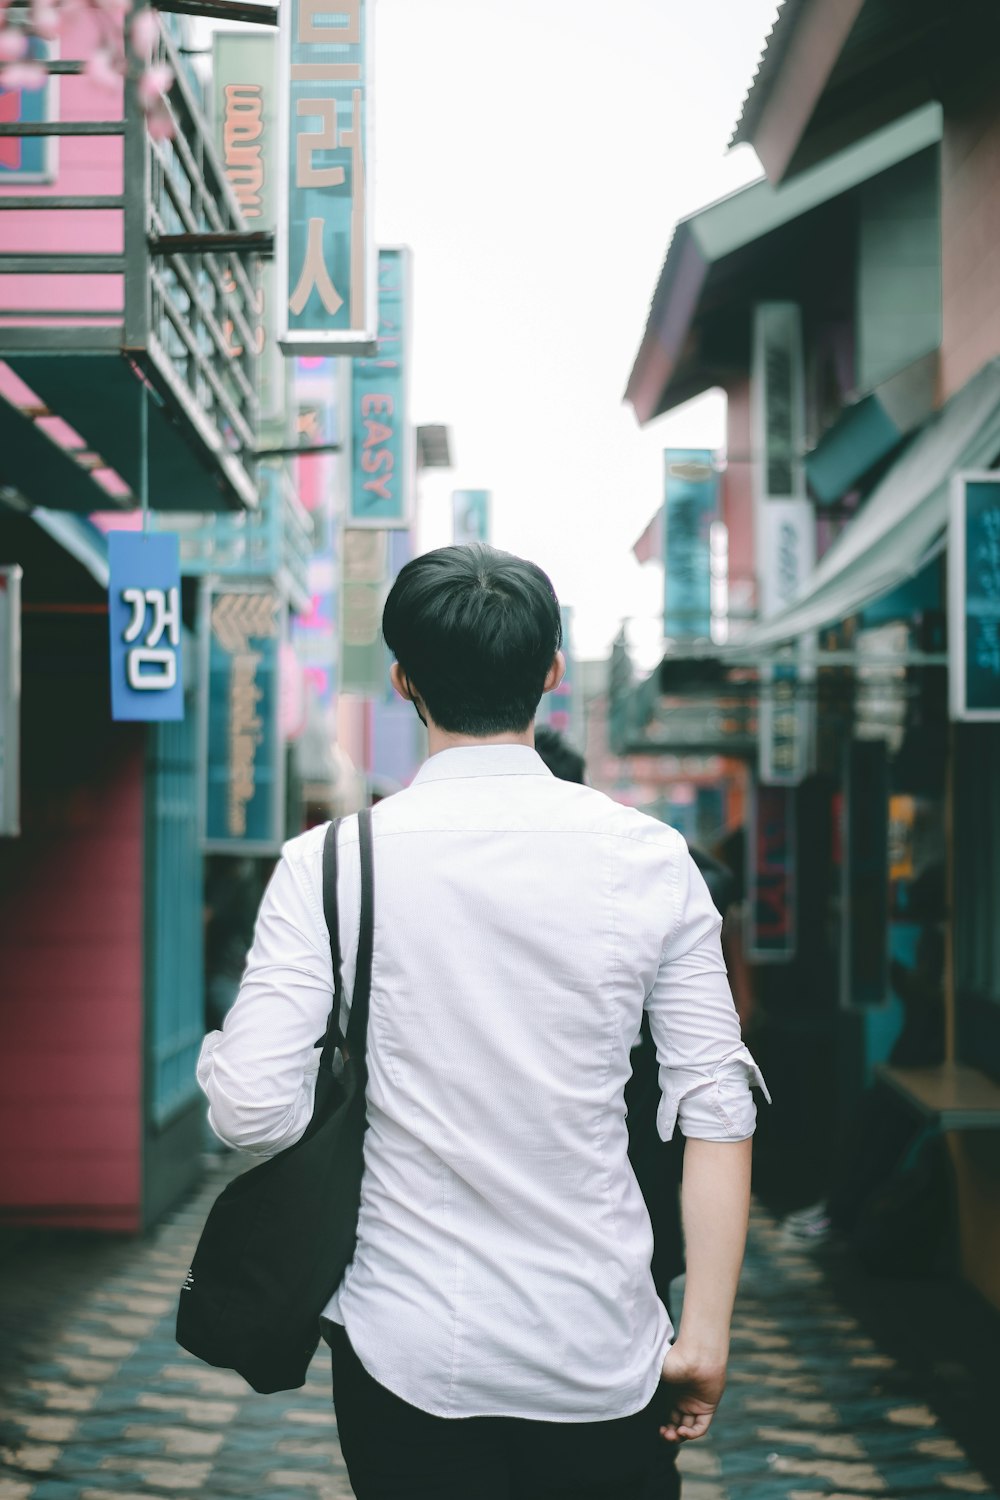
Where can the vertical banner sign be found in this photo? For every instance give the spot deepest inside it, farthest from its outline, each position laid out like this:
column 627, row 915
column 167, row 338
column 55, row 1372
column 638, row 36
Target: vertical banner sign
column 366, row 581
column 246, row 116
column 10, row 701
column 974, row 597
column 864, row 903
column 563, row 708
column 470, row 510
column 144, row 619
column 771, row 875
column 243, row 806
column 784, row 534
column 326, row 249
column 691, row 505
column 383, row 461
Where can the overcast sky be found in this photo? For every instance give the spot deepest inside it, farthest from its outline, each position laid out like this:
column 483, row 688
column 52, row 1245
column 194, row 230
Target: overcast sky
column 536, row 155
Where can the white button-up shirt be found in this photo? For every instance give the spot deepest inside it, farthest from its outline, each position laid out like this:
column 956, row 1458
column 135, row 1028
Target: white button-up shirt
column 521, row 925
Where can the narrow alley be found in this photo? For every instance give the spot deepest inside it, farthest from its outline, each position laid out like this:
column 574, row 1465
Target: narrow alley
column 834, row 1393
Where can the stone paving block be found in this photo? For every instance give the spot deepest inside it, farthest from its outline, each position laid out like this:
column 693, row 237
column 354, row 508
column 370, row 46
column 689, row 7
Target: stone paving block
column 15, row 1489
column 177, row 1441
column 209, row 1413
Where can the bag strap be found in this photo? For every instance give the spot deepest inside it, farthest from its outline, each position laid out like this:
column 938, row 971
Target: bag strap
column 357, row 1021
column 357, row 1025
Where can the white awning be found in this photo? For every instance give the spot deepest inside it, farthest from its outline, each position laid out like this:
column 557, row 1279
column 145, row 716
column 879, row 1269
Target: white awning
column 901, row 525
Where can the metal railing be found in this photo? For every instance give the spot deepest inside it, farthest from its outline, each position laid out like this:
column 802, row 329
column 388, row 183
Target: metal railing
column 184, row 292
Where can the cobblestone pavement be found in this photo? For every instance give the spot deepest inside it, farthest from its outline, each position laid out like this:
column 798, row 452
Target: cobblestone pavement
column 98, row 1403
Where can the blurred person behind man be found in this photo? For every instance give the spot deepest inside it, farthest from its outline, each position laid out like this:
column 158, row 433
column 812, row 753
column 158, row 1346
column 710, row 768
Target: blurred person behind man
column 657, row 1164
column 498, row 1332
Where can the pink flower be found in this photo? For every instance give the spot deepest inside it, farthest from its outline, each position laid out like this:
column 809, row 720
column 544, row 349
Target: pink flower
column 23, row 75
column 159, row 124
column 154, row 83
column 44, row 19
column 13, row 44
column 145, row 30
column 101, row 68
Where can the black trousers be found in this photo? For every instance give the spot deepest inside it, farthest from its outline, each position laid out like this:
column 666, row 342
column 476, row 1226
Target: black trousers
column 394, row 1451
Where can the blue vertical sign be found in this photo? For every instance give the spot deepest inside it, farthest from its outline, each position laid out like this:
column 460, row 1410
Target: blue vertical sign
column 382, row 459
column 326, row 253
column 691, row 504
column 470, row 511
column 974, row 597
column 144, row 618
column 244, row 791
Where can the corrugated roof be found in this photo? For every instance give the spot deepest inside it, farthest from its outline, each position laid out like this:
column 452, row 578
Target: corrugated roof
column 771, row 58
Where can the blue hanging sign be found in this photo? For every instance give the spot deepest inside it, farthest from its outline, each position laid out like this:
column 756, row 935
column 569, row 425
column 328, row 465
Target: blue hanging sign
column 144, row 616
column 691, row 504
column 326, row 249
column 470, row 516
column 382, row 458
column 244, row 790
column 974, row 597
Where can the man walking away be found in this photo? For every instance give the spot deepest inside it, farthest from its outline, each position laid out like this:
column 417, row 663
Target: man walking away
column 498, row 1333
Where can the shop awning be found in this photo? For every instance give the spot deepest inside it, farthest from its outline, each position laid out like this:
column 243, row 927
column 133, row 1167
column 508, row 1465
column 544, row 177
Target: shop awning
column 902, row 522
column 726, row 255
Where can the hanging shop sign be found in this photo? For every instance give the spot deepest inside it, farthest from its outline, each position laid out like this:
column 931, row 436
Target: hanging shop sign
column 382, row 437
column 864, row 904
column 974, row 597
column 562, row 709
column 365, row 585
column 787, row 723
column 246, row 116
column 771, row 874
column 144, row 618
column 326, row 249
column 691, row 507
column 243, row 801
column 10, row 701
column 470, row 516
column 319, row 386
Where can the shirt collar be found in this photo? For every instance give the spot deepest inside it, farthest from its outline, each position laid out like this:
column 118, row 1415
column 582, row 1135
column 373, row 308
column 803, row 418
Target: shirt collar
column 482, row 760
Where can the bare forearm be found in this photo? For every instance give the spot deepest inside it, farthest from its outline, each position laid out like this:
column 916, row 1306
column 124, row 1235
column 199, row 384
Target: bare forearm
column 715, row 1200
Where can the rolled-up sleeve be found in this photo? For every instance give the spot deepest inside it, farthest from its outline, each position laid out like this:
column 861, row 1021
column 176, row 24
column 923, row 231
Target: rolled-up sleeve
column 707, row 1075
column 259, row 1072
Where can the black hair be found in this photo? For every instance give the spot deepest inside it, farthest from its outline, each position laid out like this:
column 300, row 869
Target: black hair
column 562, row 760
column 475, row 632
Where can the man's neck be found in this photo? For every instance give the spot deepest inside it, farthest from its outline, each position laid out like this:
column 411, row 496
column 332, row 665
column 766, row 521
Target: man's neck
column 439, row 739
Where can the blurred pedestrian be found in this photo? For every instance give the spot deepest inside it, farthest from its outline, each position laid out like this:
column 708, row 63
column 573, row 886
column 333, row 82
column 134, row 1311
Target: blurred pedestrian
column 498, row 1332
column 657, row 1164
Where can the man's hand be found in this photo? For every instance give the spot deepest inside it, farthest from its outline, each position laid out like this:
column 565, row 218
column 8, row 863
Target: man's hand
column 696, row 1388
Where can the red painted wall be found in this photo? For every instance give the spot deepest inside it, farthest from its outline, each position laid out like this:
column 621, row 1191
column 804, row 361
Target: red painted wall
column 71, row 898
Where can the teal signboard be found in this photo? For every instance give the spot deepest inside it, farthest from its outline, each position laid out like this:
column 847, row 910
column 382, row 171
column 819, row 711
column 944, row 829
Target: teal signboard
column 243, row 759
column 326, row 260
column 974, row 597
column 382, row 456
column 691, row 504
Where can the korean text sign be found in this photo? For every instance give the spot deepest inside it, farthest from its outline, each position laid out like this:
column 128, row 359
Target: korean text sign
column 771, row 875
column 144, row 616
column 382, row 457
column 244, row 801
column 691, row 504
column 325, row 246
column 974, row 597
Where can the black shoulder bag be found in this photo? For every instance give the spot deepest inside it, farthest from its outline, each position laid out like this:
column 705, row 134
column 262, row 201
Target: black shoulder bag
column 280, row 1236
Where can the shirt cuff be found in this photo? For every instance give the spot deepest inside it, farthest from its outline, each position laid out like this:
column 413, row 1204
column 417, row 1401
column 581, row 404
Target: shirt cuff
column 716, row 1106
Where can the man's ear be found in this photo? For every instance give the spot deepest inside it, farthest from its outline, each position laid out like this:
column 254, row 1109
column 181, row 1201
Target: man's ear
column 400, row 682
column 556, row 673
